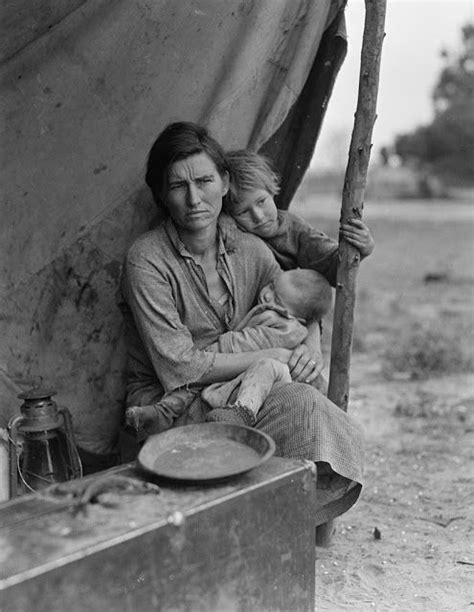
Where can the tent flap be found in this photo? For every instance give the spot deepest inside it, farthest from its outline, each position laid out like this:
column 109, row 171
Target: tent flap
column 86, row 89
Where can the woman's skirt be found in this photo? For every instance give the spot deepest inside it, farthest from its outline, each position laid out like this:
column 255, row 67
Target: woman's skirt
column 304, row 425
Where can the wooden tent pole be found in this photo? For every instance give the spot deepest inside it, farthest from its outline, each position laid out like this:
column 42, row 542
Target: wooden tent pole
column 352, row 205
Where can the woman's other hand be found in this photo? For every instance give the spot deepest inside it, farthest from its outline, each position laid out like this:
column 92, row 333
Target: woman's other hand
column 304, row 365
column 357, row 233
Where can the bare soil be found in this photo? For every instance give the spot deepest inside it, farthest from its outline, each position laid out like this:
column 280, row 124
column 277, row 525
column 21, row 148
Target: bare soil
column 408, row 542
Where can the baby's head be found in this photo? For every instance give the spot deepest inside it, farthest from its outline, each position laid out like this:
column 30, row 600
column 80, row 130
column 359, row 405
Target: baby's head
column 305, row 294
column 253, row 185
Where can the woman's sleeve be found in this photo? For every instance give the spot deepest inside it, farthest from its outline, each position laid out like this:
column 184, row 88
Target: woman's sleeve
column 168, row 342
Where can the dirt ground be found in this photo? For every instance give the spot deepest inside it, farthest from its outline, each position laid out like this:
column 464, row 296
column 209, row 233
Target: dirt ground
column 408, row 543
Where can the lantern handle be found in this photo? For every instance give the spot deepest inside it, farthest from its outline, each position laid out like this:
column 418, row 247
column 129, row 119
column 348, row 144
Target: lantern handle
column 14, row 455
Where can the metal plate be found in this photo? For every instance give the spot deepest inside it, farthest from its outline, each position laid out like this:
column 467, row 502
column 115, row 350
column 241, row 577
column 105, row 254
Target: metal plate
column 206, row 451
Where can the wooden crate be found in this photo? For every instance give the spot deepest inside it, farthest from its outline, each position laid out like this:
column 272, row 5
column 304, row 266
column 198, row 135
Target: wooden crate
column 245, row 545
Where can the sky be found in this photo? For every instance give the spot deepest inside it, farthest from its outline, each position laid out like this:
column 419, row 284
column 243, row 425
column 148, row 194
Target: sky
column 416, row 32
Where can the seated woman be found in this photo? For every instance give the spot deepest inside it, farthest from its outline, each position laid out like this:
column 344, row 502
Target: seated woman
column 188, row 283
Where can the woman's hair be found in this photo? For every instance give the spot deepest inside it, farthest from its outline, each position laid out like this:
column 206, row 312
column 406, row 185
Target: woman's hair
column 311, row 296
column 178, row 141
column 250, row 170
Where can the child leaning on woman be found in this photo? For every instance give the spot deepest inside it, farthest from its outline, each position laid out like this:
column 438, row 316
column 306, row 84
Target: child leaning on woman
column 295, row 243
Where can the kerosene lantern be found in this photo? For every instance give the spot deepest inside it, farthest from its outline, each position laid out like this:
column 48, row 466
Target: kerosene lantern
column 48, row 454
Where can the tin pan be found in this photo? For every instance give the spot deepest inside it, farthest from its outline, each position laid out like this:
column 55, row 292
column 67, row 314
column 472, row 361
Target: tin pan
column 205, row 451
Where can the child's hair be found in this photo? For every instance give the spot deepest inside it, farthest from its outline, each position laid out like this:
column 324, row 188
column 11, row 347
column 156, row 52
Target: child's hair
column 250, row 170
column 313, row 295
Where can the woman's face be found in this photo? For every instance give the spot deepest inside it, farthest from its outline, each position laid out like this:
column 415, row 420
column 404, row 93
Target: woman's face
column 256, row 212
column 194, row 192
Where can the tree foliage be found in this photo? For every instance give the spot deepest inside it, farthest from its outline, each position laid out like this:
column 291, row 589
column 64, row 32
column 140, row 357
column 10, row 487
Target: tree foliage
column 446, row 145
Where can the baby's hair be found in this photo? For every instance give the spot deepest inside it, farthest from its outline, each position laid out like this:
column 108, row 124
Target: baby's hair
column 313, row 295
column 250, row 170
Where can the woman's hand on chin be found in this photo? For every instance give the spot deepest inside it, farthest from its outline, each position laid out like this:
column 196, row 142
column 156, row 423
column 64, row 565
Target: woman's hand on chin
column 304, row 365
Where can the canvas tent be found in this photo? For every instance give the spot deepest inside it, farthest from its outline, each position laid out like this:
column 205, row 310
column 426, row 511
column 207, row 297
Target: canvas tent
column 86, row 87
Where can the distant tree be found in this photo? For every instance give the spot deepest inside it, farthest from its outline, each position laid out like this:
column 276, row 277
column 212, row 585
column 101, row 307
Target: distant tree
column 446, row 145
column 456, row 82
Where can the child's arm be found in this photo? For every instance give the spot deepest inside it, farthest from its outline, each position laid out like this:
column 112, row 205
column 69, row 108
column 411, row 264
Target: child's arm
column 264, row 328
column 357, row 233
column 299, row 244
column 264, row 314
